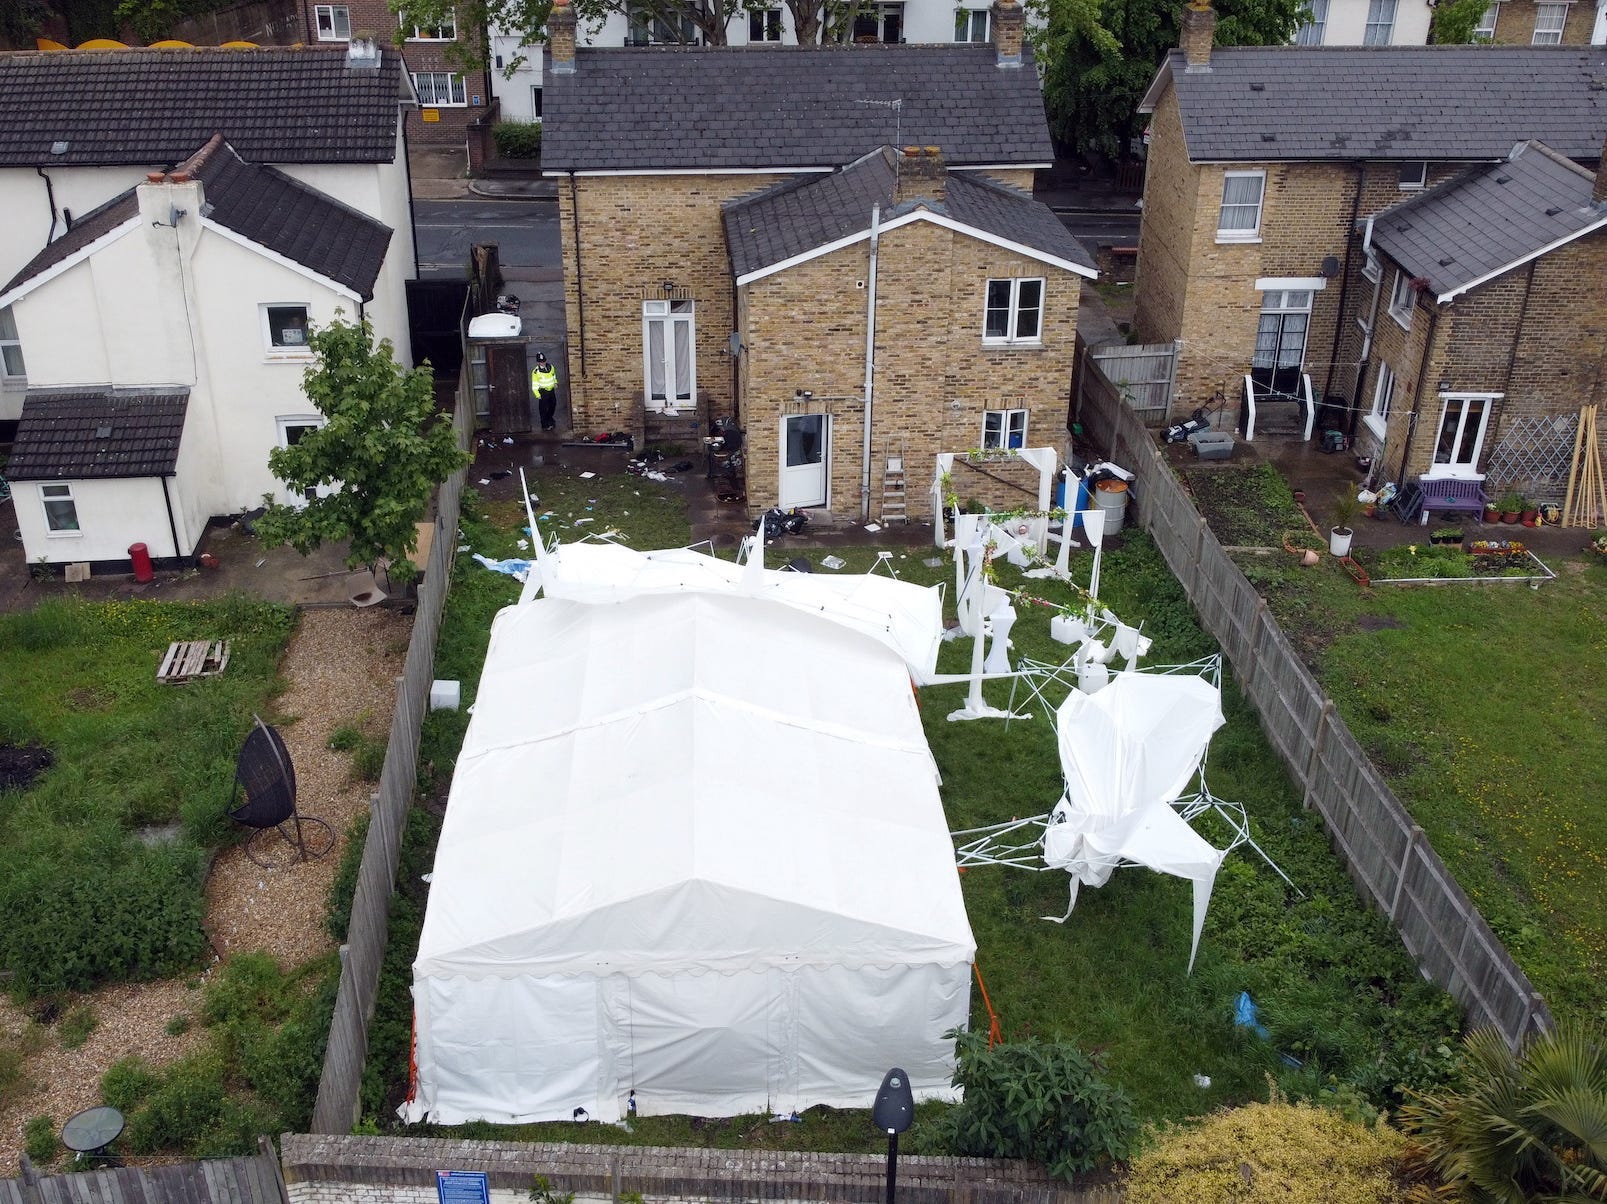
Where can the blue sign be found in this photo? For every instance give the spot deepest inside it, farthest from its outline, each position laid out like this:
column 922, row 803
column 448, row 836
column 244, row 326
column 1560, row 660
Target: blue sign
column 462, row 1187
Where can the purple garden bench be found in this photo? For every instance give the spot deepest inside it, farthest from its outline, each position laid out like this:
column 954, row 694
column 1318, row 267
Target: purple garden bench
column 1449, row 493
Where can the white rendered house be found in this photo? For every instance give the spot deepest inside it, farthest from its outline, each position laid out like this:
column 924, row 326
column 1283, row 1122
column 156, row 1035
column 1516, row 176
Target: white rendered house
column 1366, row 23
column 166, row 338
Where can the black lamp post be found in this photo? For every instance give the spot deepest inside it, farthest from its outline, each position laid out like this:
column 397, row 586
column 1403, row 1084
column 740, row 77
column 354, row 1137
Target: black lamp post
column 892, row 1113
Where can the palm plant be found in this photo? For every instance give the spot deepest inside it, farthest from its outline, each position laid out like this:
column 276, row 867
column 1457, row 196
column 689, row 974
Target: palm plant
column 1524, row 1128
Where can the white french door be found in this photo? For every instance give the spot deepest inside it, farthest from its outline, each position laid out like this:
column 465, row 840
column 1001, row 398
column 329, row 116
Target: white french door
column 805, row 460
column 669, row 356
column 1463, row 422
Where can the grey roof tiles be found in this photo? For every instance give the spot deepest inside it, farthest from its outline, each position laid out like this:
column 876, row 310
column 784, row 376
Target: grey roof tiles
column 80, row 434
column 1491, row 217
column 1389, row 102
column 788, row 107
column 799, row 216
column 153, row 107
column 89, row 228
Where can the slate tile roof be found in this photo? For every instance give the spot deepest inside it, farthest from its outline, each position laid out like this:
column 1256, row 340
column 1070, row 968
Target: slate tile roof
column 297, row 221
column 1491, row 217
column 89, row 228
column 735, row 107
column 61, row 434
column 261, row 204
column 798, row 216
column 1388, row 102
column 275, row 104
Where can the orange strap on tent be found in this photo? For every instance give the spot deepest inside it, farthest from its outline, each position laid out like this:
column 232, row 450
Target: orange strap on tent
column 412, row 1062
column 995, row 1036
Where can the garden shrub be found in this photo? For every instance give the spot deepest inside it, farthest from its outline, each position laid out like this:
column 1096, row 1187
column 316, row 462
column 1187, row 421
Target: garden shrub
column 1041, row 1100
column 1272, row 1153
column 127, row 1083
column 517, row 139
column 183, row 1109
column 77, row 1026
column 39, row 1140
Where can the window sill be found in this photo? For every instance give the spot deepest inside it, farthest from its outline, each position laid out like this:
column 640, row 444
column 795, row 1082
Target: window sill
column 1011, row 345
column 1236, row 239
column 1379, row 426
column 1405, row 323
column 288, row 357
column 64, row 534
column 332, row 38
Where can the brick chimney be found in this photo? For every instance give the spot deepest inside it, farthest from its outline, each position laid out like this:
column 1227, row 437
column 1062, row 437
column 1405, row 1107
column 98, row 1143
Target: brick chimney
column 1199, row 32
column 921, row 175
column 1009, row 26
column 561, row 37
column 1598, row 194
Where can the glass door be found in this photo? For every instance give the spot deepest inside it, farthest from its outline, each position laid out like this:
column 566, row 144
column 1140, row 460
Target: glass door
column 805, row 448
column 669, row 364
column 1280, row 341
column 1461, row 436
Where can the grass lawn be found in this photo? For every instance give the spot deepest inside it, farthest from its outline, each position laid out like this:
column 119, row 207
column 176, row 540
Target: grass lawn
column 1336, row 989
column 1482, row 705
column 84, row 900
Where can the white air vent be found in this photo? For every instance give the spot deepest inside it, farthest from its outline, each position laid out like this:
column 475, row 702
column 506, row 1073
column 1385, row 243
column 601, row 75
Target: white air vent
column 362, row 54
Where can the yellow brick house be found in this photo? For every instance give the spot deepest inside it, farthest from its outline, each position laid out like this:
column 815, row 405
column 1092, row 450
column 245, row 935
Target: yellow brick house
column 836, row 245
column 1265, row 165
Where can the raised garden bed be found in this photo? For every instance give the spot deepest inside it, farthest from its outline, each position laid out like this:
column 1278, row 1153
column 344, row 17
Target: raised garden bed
column 1480, row 562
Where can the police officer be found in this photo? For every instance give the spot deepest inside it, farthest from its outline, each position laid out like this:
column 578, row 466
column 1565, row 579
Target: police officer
column 544, row 385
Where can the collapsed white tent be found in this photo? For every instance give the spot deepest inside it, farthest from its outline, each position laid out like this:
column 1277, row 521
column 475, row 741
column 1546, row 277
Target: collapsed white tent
column 906, row 617
column 694, row 848
column 1128, row 753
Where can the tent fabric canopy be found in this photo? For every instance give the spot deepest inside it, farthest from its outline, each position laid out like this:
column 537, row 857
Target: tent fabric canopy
column 694, row 848
column 1128, row 752
column 908, row 618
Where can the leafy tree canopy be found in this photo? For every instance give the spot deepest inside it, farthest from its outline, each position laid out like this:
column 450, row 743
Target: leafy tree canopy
column 1098, row 57
column 383, row 444
column 1454, row 21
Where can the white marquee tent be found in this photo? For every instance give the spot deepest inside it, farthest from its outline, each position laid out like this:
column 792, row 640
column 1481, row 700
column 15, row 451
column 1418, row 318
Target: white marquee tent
column 694, row 848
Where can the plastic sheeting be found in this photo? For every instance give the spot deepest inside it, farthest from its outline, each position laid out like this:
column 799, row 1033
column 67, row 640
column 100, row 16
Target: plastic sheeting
column 908, row 618
column 694, row 847
column 1128, row 752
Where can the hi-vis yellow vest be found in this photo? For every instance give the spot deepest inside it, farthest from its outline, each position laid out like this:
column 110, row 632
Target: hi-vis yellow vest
column 542, row 379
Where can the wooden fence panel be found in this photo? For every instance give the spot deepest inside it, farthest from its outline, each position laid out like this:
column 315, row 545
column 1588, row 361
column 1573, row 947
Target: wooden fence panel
column 1144, row 375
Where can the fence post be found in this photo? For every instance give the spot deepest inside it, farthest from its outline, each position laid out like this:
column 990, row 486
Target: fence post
column 1412, row 840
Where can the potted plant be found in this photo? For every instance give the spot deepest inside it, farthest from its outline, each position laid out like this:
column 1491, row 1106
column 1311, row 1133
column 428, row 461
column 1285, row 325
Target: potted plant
column 1492, row 511
column 1446, row 535
column 1340, row 535
column 1511, row 507
column 1528, row 512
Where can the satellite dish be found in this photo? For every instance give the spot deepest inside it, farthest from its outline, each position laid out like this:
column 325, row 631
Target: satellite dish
column 265, row 774
column 1330, row 266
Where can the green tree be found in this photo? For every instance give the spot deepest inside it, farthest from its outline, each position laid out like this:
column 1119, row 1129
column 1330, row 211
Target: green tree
column 1523, row 1128
column 1041, row 1100
column 382, row 450
column 1099, row 56
column 1454, row 21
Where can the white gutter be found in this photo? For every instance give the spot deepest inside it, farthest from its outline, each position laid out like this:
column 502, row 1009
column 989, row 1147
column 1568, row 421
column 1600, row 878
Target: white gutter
column 870, row 356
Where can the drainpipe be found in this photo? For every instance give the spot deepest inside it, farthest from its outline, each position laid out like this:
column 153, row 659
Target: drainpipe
column 1366, row 340
column 870, row 356
column 171, row 525
column 580, row 281
column 1417, row 396
column 1344, row 295
column 50, row 195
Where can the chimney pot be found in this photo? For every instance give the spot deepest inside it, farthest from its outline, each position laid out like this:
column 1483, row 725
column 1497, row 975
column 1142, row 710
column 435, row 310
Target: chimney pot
column 155, row 177
column 1198, row 34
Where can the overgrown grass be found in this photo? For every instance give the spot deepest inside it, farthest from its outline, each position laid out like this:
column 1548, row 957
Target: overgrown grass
column 1336, row 989
column 84, row 901
column 1483, row 707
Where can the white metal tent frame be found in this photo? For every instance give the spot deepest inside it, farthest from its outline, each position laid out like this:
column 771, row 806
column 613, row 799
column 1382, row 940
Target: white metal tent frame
column 1021, row 843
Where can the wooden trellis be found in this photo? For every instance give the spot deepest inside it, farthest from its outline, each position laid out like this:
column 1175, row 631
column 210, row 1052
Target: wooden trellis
column 1533, row 457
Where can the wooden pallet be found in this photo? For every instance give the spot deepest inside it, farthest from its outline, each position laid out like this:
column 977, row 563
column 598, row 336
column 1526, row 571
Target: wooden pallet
column 188, row 659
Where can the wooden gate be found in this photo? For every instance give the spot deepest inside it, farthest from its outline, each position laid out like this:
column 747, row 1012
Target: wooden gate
column 1145, row 373
column 509, row 379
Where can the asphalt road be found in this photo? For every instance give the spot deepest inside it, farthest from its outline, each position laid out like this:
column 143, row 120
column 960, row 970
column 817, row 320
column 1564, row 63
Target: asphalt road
column 1093, row 227
column 526, row 234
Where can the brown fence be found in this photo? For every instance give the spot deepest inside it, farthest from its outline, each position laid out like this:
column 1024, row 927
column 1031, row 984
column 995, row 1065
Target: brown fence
column 1387, row 854
column 339, row 1089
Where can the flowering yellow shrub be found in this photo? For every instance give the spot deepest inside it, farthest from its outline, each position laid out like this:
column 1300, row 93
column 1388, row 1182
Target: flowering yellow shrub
column 1277, row 1153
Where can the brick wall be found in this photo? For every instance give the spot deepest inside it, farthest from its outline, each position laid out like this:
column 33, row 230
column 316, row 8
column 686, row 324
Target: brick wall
column 383, row 1170
column 637, row 232
column 1166, row 235
column 1514, row 23
column 804, row 329
column 1561, row 361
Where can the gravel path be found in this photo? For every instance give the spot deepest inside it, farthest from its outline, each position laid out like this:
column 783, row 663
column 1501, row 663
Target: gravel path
column 341, row 668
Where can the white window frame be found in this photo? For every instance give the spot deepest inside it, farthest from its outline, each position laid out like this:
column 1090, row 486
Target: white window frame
column 336, row 13
column 456, row 89
column 1380, row 28
column 1311, row 32
column 1377, row 417
column 56, row 491
column 447, row 31
column 665, row 312
column 1438, row 471
column 1410, row 181
column 1372, row 269
column 1402, row 300
column 1484, row 31
column 1241, row 234
column 1010, row 429
column 769, row 20
column 11, row 350
column 284, row 424
column 535, row 101
column 286, row 351
column 965, row 22
column 1012, row 336
column 1547, row 36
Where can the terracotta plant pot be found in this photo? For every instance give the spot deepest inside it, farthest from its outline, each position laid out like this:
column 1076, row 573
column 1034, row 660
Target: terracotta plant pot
column 1310, row 558
column 1509, row 516
column 1529, row 517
